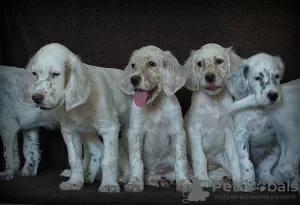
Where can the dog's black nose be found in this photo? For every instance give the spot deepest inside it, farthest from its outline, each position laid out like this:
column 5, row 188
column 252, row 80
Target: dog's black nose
column 210, row 77
column 272, row 96
column 135, row 80
column 38, row 98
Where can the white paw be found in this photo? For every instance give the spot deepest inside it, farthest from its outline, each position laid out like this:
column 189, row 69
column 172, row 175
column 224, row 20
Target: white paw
column 206, row 183
column 134, row 187
column 89, row 178
column 109, row 188
column 183, row 185
column 7, row 175
column 267, row 178
column 28, row 172
column 70, row 185
column 66, row 173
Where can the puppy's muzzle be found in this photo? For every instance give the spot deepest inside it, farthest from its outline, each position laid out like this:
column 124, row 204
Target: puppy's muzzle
column 135, row 80
column 38, row 98
column 272, row 96
column 210, row 77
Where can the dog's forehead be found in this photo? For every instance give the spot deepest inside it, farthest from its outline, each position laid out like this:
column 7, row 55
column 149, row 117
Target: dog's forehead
column 142, row 56
column 263, row 63
column 209, row 53
column 47, row 64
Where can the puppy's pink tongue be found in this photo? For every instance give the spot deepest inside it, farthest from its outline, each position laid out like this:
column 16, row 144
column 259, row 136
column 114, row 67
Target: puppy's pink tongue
column 140, row 98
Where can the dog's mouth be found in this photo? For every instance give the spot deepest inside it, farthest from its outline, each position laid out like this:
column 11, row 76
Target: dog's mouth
column 49, row 108
column 211, row 87
column 142, row 96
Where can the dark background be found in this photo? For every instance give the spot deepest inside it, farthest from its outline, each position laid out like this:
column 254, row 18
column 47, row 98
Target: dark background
column 105, row 33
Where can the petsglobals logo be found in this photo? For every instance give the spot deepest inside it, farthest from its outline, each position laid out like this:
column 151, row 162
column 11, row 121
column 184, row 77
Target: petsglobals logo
column 282, row 187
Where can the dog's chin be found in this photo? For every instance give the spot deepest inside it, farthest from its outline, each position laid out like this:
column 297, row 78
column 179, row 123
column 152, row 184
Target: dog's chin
column 271, row 105
column 49, row 107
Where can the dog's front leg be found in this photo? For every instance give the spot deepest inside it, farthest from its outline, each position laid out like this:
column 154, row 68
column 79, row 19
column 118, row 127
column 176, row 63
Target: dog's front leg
column 136, row 181
column 232, row 158
column 241, row 139
column 110, row 134
column 76, row 180
column 199, row 160
column 183, row 184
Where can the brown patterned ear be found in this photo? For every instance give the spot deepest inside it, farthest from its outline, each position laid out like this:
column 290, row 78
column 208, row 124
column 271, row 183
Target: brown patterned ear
column 125, row 84
column 191, row 73
column 67, row 73
column 234, row 60
column 237, row 82
column 27, row 88
column 280, row 64
column 173, row 78
column 78, row 88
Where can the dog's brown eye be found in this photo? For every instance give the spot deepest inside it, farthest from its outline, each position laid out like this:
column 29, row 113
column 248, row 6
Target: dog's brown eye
column 219, row 61
column 257, row 78
column 152, row 64
column 132, row 65
column 34, row 73
column 199, row 63
column 55, row 75
column 277, row 76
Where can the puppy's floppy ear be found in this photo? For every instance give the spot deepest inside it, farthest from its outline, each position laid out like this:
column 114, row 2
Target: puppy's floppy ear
column 191, row 73
column 125, row 84
column 280, row 65
column 234, row 60
column 26, row 85
column 173, row 77
column 237, row 82
column 77, row 87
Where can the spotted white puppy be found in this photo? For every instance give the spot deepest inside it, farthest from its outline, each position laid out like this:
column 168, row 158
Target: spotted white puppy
column 92, row 105
column 18, row 113
column 156, row 138
column 209, row 129
column 258, row 79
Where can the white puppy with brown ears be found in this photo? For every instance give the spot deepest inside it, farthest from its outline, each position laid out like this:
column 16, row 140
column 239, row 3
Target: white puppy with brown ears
column 94, row 105
column 209, row 130
column 156, row 138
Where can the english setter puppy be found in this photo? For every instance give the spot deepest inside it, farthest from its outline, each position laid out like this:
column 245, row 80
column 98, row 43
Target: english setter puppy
column 209, row 130
column 257, row 78
column 92, row 105
column 19, row 113
column 156, row 138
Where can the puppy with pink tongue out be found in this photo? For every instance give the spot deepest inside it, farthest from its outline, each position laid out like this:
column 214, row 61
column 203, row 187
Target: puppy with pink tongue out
column 156, row 140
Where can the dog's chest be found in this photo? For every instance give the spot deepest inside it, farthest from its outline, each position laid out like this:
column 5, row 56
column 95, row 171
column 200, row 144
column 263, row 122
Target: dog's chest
column 214, row 123
column 157, row 144
column 261, row 128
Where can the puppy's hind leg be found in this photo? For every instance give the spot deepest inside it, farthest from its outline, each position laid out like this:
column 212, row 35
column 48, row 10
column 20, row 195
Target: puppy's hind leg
column 265, row 167
column 8, row 138
column 95, row 148
column 31, row 152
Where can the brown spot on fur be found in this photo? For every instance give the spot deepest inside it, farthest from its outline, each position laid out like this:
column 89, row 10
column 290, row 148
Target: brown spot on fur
column 67, row 73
